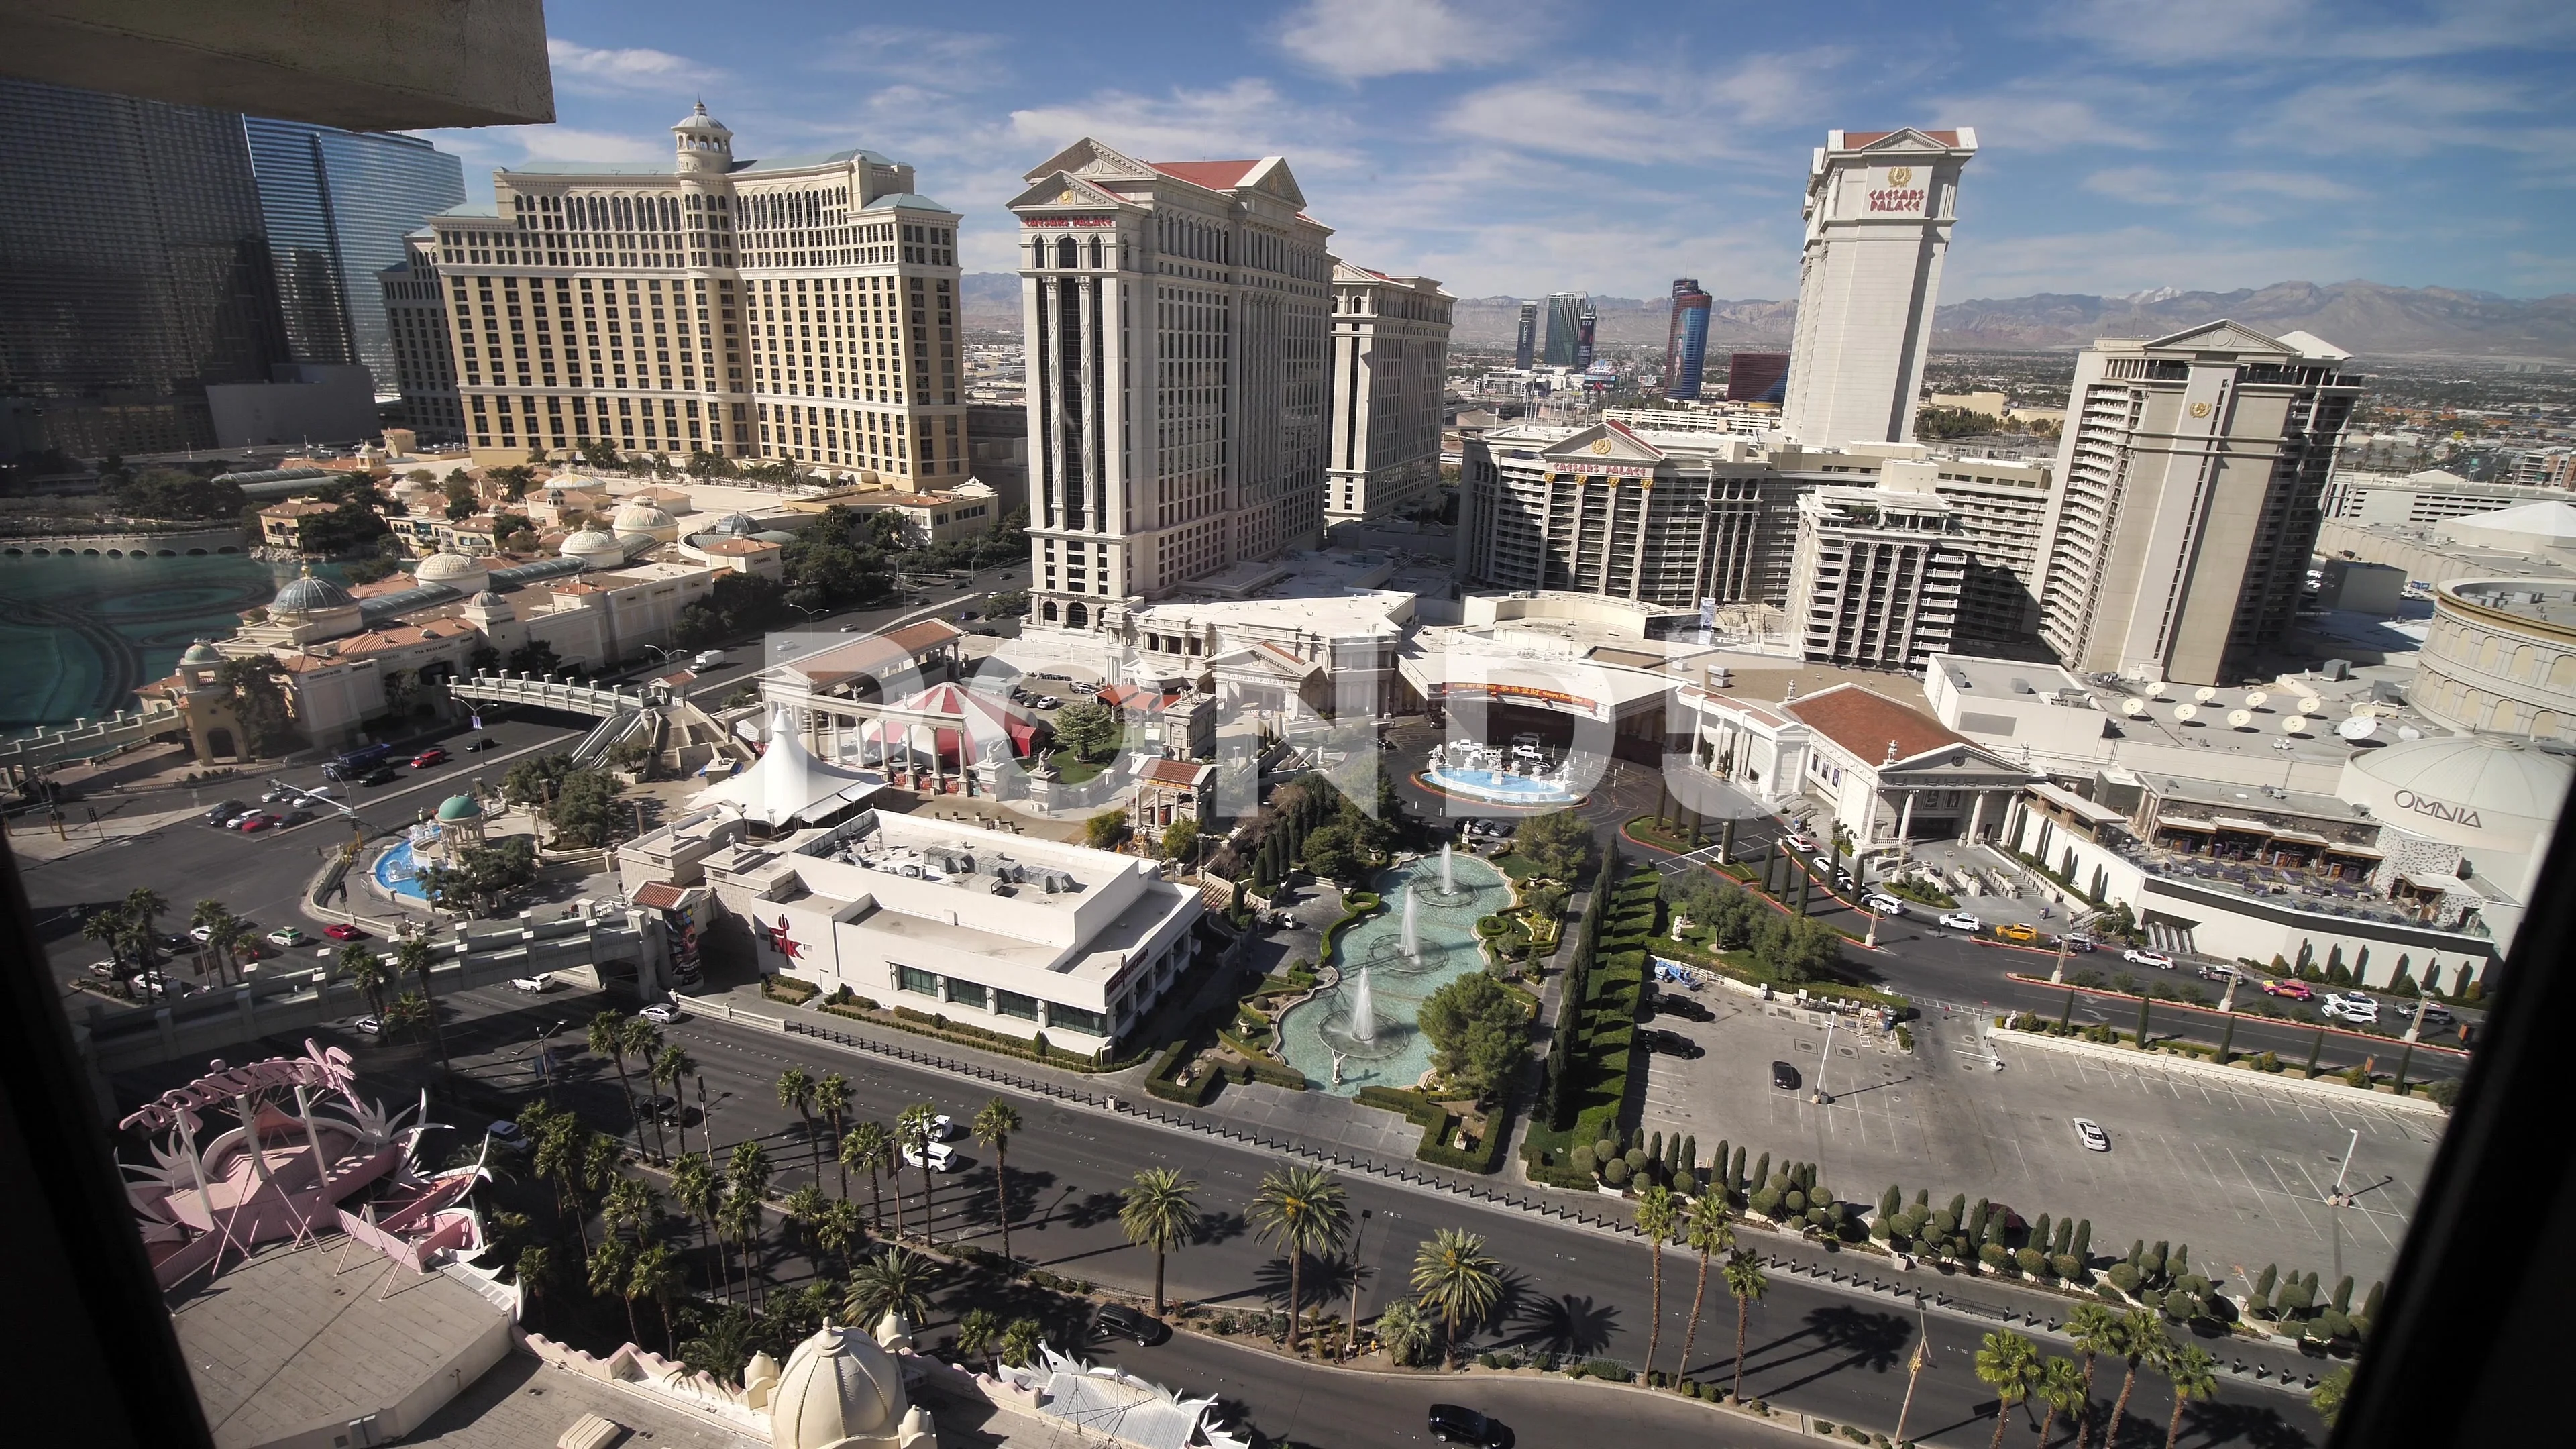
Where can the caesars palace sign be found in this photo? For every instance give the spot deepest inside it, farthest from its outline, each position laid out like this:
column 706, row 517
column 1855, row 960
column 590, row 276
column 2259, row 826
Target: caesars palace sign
column 1900, row 195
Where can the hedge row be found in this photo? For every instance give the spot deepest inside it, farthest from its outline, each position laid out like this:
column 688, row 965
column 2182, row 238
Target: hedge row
column 1438, row 1123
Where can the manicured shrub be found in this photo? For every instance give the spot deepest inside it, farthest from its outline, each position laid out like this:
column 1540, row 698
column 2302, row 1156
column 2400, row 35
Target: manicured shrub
column 1761, row 1177
column 2039, row 1233
column 1638, row 1160
column 1794, row 1200
column 2124, row 1276
column 1586, row 1159
column 1891, row 1201
column 2343, row 1294
column 1975, row 1221
column 2065, row 1238
column 1605, row 1149
column 1993, row 1256
column 2083, row 1248
column 2179, row 1265
column 1882, row 1227
column 1766, row 1202
column 2068, row 1268
column 1616, row 1172
column 2032, row 1261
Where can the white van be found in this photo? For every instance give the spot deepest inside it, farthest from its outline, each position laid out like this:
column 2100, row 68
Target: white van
column 709, row 659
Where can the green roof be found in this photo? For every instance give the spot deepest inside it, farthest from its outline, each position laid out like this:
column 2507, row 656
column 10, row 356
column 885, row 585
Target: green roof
column 460, row 807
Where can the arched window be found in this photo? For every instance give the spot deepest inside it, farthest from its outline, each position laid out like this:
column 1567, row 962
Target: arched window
column 1076, row 617
column 2562, row 673
column 1065, row 254
column 1095, row 253
column 1048, row 613
column 2488, row 649
column 2525, row 658
column 2508, row 717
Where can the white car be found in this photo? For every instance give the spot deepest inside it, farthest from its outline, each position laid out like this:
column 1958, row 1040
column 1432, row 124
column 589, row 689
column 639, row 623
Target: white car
column 201, row 934
column 2090, row 1133
column 942, row 1158
column 1884, row 905
column 533, row 985
column 2138, row 956
column 2351, row 1006
column 1962, row 921
column 663, row 1013
column 287, row 937
column 1799, row 840
column 368, row 1026
column 943, row 1129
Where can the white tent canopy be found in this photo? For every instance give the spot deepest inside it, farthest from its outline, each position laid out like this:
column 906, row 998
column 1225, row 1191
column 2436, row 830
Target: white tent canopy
column 789, row 784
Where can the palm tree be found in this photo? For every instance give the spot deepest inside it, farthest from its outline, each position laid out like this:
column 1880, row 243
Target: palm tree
column 2095, row 1331
column 210, row 916
column 724, row 1343
column 1020, row 1341
column 641, row 1040
column 672, row 1066
column 1706, row 1230
column 635, row 1204
column 608, row 1278
column 2193, row 1374
column 912, row 1129
column 1658, row 1213
column 407, row 1012
column 143, row 911
column 978, row 1332
column 412, row 957
column 2008, row 1364
column 695, row 1188
column 738, row 1217
column 894, row 1281
column 868, row 1146
column 654, row 1273
column 558, row 1152
column 2327, row 1398
column 994, row 1123
column 1746, row 1280
column 239, row 938
column 2062, row 1389
column 1402, row 1331
column 1157, row 1213
column 366, row 971
column 2142, row 1337
column 107, row 926
column 1452, row 1274
column 608, row 1039
column 832, row 1099
column 1305, row 1209
column 796, row 1090
column 840, row 1230
column 804, row 1208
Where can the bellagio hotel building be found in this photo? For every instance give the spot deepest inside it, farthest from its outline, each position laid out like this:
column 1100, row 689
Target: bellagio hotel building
column 804, row 309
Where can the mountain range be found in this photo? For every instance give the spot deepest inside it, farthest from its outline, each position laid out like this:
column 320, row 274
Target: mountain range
column 2362, row 317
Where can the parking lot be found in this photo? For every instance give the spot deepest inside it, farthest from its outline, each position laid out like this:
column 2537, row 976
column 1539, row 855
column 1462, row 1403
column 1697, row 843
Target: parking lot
column 2240, row 1172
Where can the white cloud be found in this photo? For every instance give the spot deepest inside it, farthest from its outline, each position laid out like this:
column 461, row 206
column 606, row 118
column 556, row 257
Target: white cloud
column 1362, row 39
column 937, row 62
column 1640, row 112
column 566, row 143
column 1245, row 118
column 2051, row 115
column 2123, row 260
column 597, row 71
column 2278, row 34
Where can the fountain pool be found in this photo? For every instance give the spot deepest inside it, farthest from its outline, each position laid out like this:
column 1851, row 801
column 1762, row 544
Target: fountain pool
column 1394, row 1053
column 399, row 875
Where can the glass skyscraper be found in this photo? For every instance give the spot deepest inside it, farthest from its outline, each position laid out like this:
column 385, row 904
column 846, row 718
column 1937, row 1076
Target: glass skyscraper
column 1564, row 321
column 1686, row 341
column 134, row 269
column 338, row 205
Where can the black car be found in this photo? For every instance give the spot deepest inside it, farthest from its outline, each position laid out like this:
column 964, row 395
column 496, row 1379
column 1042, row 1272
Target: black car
column 297, row 817
column 1454, row 1424
column 1784, row 1076
column 1674, row 1044
column 481, row 742
column 225, row 813
column 380, row 775
column 1684, row 1007
column 1117, row 1320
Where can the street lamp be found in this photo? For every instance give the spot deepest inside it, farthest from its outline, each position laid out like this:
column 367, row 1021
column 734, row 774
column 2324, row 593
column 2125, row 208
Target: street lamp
column 2338, row 1197
column 1351, row 1340
column 1826, row 1058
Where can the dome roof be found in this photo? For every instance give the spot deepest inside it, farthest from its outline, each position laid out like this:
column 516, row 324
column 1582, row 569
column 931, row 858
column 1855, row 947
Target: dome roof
column 309, row 595
column 838, row 1385
column 460, row 807
column 640, row 518
column 490, row 600
column 736, row 525
column 2472, row 789
column 202, row 652
column 593, row 546
column 698, row 122
column 441, row 568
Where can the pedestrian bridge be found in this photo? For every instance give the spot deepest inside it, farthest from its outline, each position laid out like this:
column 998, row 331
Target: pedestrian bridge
column 548, row 692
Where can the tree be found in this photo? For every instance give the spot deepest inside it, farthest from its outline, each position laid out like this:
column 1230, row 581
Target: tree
column 1180, row 838
column 1453, row 1275
column 796, row 1091
column 979, row 1332
column 585, row 810
column 1157, row 1212
column 1104, row 830
column 1557, row 845
column 839, row 1230
column 738, row 1218
column 722, row 1345
column 1020, row 1342
column 2193, row 1374
column 992, row 1126
column 2141, row 1338
column 2008, row 1364
column 1088, row 728
column 1306, row 1211
column 633, row 1204
column 608, row 1267
column 2095, row 1331
column 535, row 1267
column 534, row 657
column 832, row 1103
column 607, row 1039
column 2327, row 1398
column 870, row 1146
column 1403, row 1332
column 366, row 971
column 896, row 1280
column 408, row 1012
column 1478, row 1029
column 532, row 781
column 653, row 1274
column 259, row 702
column 698, row 1192
column 484, row 877
column 1658, row 1213
column 912, row 1129
column 1333, row 852
column 413, row 958
column 1746, row 1282
column 1706, row 1229
column 671, row 1066
column 2063, row 1390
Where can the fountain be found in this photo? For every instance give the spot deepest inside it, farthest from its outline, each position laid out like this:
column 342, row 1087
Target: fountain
column 1448, row 875
column 1350, row 1035
column 1480, row 772
column 1412, row 938
column 1363, row 1016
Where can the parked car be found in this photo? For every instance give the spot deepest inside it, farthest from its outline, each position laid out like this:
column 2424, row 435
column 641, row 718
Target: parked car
column 380, row 775
column 1800, row 841
column 344, row 933
column 367, row 1026
column 1962, row 921
column 276, row 793
column 1674, row 1044
column 536, row 985
column 1884, row 904
column 2077, row 941
column 428, row 757
column 2294, row 990
column 2353, row 1007
column 201, row 934
column 288, row 937
column 1454, row 1424
column 297, row 816
column 708, row 658
column 2140, row 956
column 2435, row 1015
column 1784, row 1076
column 663, row 1013
column 2090, row 1133
column 2021, row 931
column 939, row 1158
column 225, row 813
column 258, row 820
column 1683, row 1007
column 1117, row 1320
column 663, row 1108
column 481, row 742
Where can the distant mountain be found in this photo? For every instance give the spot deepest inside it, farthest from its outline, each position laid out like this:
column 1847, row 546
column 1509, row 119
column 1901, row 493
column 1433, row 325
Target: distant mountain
column 2362, row 317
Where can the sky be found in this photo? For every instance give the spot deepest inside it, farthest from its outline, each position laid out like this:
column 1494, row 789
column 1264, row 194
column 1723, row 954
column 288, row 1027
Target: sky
column 1517, row 148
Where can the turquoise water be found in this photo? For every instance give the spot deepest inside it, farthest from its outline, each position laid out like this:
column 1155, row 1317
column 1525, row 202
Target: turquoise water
column 77, row 635
column 1446, row 927
column 397, row 873
column 1497, row 785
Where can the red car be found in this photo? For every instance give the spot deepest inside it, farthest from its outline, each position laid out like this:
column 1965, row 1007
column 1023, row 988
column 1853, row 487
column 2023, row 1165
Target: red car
column 2295, row 990
column 344, row 933
column 261, row 821
column 428, row 757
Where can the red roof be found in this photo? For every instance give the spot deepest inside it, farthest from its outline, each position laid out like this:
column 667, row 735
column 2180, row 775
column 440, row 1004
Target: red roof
column 1214, row 175
column 1864, row 722
column 1853, row 140
column 1184, row 774
column 658, row 896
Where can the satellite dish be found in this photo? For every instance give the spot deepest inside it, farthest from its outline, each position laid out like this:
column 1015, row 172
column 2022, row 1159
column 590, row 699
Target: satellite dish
column 2205, row 693
column 2310, row 704
column 2360, row 708
column 2133, row 707
column 2185, row 713
column 2155, row 689
column 2409, row 732
column 2293, row 723
column 2239, row 718
column 2255, row 699
column 2359, row 727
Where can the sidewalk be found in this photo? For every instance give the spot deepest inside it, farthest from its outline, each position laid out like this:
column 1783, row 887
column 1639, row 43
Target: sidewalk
column 32, row 836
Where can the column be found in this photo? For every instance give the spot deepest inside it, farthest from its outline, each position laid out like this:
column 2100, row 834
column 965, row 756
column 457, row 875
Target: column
column 1977, row 815
column 1905, row 819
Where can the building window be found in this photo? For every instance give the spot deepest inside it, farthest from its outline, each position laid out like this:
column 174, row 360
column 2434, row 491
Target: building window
column 1075, row 1018
column 1012, row 1003
column 970, row 993
column 916, row 981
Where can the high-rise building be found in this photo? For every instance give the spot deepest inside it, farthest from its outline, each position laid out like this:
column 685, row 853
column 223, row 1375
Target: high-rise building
column 2001, row 507
column 1757, row 377
column 1390, row 354
column 424, row 366
column 338, row 205
column 803, row 308
column 1564, row 324
column 1686, row 340
column 1525, row 346
column 1880, row 205
column 1877, row 578
column 2191, row 487
column 1177, row 317
column 138, row 269
column 1586, row 323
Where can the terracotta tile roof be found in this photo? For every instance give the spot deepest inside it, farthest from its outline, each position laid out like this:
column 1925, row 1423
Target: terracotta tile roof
column 296, row 508
column 1214, row 175
column 739, row 547
column 928, row 634
column 1183, row 774
column 658, row 896
column 392, row 583
column 1863, row 721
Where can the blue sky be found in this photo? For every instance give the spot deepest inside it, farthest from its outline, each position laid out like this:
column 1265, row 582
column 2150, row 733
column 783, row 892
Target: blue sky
column 1512, row 147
